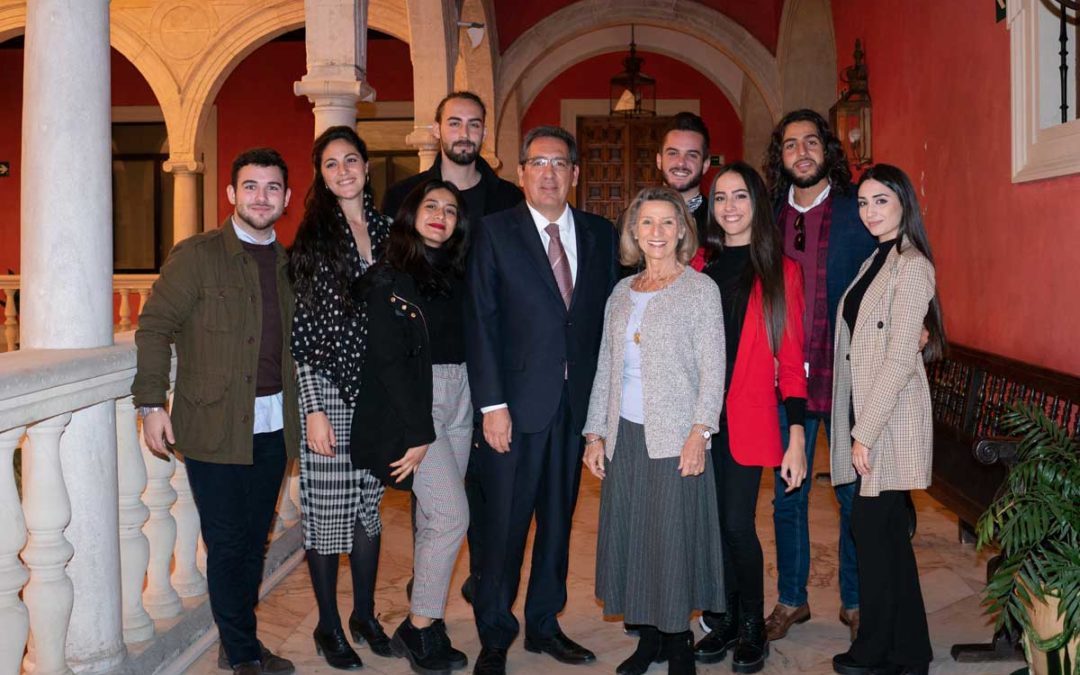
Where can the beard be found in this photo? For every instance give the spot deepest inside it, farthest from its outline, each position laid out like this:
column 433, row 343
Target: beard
column 465, row 154
column 688, row 183
column 257, row 221
column 807, row 181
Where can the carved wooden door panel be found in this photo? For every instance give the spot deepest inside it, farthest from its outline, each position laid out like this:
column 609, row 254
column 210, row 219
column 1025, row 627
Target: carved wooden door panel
column 618, row 158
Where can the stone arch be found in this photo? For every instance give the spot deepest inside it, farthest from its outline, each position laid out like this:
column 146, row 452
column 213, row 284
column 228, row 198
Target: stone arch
column 475, row 68
column 12, row 21
column 690, row 19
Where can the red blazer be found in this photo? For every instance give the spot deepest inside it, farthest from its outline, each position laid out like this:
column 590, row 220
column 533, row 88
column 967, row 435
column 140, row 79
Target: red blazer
column 752, row 411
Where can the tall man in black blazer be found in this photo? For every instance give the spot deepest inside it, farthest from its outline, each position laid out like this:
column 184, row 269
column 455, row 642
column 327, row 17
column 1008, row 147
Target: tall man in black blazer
column 539, row 277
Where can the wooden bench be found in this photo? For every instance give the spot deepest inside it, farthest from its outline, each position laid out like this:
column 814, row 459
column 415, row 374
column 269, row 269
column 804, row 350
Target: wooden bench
column 970, row 390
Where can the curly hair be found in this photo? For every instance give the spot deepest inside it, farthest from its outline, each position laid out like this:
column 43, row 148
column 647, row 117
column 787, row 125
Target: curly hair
column 321, row 240
column 777, row 176
column 406, row 251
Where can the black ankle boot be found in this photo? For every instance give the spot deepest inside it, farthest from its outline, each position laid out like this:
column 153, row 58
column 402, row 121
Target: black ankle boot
column 370, row 631
column 752, row 646
column 421, row 647
column 680, row 653
column 455, row 658
column 336, row 650
column 648, row 652
column 724, row 631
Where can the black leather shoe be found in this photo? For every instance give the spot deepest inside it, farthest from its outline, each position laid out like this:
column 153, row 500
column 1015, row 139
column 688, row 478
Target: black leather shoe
column 752, row 647
column 714, row 647
column 845, row 664
column 269, row 662
column 421, row 647
column 455, row 658
column 248, row 668
column 680, row 651
column 371, row 632
column 648, row 651
column 559, row 647
column 492, row 661
column 337, row 651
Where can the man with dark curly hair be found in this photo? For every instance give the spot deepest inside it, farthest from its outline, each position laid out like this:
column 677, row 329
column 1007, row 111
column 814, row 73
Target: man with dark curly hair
column 810, row 182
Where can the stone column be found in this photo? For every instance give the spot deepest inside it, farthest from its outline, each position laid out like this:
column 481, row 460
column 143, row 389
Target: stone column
column 336, row 60
column 66, row 265
column 433, row 25
column 186, row 217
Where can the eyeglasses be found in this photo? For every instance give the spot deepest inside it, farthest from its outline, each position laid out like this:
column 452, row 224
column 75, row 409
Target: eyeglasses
column 557, row 163
column 800, row 232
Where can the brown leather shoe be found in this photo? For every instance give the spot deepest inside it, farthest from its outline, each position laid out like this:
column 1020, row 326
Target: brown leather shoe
column 850, row 618
column 782, row 619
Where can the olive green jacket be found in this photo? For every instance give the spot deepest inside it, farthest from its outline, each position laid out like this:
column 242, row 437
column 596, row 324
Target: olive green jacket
column 207, row 300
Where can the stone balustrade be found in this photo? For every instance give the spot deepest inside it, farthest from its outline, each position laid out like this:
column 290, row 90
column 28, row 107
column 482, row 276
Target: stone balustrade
column 128, row 289
column 157, row 540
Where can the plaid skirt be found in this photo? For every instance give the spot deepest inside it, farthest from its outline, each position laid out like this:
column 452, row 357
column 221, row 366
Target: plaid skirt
column 334, row 495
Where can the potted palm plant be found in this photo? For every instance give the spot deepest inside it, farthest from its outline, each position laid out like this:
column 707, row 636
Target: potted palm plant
column 1035, row 520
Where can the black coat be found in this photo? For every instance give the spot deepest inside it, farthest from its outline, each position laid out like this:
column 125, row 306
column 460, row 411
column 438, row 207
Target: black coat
column 497, row 194
column 393, row 410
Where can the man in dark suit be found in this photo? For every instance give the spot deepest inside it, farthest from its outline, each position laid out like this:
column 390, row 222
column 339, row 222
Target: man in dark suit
column 539, row 277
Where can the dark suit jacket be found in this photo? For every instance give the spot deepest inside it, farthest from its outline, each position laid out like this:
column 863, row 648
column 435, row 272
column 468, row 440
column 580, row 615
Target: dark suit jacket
column 519, row 334
column 496, row 194
column 850, row 243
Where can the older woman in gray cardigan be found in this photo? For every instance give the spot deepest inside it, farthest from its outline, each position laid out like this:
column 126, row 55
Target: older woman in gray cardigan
column 655, row 402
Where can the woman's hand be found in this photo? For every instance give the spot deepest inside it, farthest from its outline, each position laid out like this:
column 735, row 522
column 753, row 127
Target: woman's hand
column 594, row 455
column 409, row 463
column 793, row 466
column 320, row 435
column 860, row 458
column 692, row 457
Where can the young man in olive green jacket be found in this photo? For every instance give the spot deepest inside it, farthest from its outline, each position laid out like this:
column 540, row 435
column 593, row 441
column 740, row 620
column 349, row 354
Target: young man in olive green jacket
column 225, row 300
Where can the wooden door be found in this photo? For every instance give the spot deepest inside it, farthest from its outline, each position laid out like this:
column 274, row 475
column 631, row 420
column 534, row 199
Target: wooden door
column 618, row 158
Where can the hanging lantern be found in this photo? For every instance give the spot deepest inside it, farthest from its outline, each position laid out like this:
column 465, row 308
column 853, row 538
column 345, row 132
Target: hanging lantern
column 850, row 116
column 633, row 93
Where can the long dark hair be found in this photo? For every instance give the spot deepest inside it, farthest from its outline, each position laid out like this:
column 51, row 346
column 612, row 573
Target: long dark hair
column 913, row 229
column 323, row 238
column 776, row 175
column 405, row 249
column 766, row 247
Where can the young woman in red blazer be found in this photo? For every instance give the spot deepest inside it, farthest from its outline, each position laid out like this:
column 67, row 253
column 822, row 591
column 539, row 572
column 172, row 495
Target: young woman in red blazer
column 762, row 295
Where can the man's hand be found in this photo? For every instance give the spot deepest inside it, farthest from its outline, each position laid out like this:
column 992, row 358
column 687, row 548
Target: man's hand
column 924, row 337
column 320, row 435
column 409, row 463
column 157, row 432
column 497, row 429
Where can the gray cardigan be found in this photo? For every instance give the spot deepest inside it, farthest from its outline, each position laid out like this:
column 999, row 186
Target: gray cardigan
column 682, row 364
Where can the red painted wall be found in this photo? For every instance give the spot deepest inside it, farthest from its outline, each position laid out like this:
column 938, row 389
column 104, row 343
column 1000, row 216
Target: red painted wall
column 589, row 79
column 760, row 17
column 1006, row 254
column 256, row 106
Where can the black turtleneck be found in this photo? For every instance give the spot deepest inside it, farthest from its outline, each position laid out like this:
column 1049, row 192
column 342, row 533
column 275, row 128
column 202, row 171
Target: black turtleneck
column 444, row 312
column 858, row 290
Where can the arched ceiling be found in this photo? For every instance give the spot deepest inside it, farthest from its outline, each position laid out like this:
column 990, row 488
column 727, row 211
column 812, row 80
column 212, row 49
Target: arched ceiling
column 761, row 18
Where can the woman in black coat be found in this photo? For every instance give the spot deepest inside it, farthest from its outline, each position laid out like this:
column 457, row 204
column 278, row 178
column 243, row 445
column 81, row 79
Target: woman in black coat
column 413, row 418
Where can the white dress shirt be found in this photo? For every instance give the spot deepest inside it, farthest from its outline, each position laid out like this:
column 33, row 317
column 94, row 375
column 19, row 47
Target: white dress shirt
column 817, row 200
column 269, row 410
column 568, row 237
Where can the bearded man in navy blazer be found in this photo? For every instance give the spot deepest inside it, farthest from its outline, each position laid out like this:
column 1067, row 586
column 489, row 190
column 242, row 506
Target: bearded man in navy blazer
column 538, row 278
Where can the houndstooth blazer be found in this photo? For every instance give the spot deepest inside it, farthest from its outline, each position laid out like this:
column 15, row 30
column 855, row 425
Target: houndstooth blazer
column 880, row 368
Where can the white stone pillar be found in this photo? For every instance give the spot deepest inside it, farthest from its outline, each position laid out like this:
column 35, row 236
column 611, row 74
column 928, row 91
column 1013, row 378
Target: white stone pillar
column 49, row 595
column 159, row 597
column 66, row 302
column 336, row 37
column 186, row 216
column 186, row 578
column 14, row 622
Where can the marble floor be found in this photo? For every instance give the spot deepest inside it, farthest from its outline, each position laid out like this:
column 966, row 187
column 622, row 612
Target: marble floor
column 952, row 579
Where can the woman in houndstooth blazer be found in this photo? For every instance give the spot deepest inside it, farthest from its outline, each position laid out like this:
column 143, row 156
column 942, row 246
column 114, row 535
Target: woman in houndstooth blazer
column 340, row 236
column 881, row 420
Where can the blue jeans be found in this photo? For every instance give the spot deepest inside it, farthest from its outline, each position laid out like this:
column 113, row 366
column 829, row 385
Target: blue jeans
column 793, row 529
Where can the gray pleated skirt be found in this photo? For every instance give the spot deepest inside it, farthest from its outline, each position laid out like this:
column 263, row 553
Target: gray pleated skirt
column 658, row 556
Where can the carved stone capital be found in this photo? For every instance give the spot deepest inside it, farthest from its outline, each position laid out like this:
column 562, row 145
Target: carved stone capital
column 183, row 166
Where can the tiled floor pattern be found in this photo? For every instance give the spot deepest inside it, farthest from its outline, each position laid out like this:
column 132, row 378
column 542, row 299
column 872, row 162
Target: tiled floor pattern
column 952, row 579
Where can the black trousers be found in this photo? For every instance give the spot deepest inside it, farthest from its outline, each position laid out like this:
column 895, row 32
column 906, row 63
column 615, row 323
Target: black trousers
column 474, row 493
column 236, row 507
column 736, row 496
column 540, row 475
column 892, row 621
